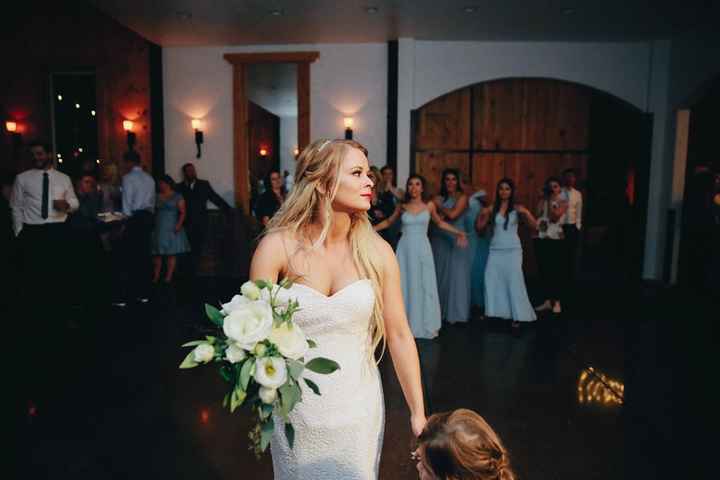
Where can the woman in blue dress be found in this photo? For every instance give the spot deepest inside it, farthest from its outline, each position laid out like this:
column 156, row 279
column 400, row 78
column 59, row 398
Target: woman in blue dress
column 451, row 262
column 169, row 238
column 505, row 292
column 480, row 247
column 417, row 267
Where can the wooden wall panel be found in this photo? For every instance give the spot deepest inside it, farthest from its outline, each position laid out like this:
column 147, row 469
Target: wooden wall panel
column 444, row 123
column 431, row 165
column 488, row 169
column 498, row 112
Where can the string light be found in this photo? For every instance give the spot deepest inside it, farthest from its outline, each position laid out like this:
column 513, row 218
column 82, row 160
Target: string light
column 596, row 387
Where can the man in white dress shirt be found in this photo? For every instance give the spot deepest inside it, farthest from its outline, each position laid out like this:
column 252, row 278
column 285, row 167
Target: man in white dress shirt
column 572, row 221
column 41, row 199
column 138, row 203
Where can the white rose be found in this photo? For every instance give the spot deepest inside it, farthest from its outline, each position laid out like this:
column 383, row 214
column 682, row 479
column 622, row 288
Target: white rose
column 249, row 324
column 290, row 340
column 250, row 290
column 270, row 372
column 267, row 395
column 235, row 354
column 203, row 353
column 238, row 301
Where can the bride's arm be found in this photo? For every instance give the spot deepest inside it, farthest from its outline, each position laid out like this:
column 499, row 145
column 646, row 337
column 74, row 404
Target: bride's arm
column 400, row 340
column 266, row 263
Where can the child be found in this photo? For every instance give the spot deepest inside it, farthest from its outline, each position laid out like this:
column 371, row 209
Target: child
column 460, row 445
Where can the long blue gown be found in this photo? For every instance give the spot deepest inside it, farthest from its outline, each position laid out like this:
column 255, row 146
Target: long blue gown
column 505, row 292
column 479, row 248
column 417, row 275
column 453, row 265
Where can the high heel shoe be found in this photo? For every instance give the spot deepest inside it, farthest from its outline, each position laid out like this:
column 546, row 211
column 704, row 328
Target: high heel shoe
column 545, row 306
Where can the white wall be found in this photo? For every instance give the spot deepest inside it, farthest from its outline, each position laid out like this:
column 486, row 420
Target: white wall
column 347, row 80
column 636, row 72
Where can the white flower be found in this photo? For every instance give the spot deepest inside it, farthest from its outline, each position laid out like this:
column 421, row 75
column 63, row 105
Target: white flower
column 249, row 324
column 270, row 372
column 234, row 354
column 203, row 353
column 267, row 395
column 238, row 301
column 250, row 290
column 290, row 340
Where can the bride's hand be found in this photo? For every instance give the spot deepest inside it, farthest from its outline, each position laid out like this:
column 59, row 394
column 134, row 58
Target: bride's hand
column 418, row 423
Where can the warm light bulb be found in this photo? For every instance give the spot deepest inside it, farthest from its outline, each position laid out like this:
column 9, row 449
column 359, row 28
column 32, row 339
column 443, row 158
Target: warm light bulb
column 348, row 122
column 77, row 105
column 60, row 98
column 92, row 112
column 97, row 161
column 196, row 124
column 127, row 125
column 263, row 152
column 11, row 126
column 296, row 151
column 80, row 149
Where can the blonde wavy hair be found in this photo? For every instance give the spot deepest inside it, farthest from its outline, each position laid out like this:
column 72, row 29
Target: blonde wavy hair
column 309, row 203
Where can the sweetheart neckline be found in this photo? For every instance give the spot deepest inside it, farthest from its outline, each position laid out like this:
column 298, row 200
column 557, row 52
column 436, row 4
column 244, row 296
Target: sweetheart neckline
column 328, row 297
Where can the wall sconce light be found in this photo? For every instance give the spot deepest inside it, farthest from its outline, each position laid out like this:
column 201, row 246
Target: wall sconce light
column 12, row 128
column 131, row 138
column 296, row 151
column 263, row 152
column 348, row 121
column 199, row 138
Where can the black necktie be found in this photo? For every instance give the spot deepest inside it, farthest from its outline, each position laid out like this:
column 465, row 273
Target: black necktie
column 46, row 194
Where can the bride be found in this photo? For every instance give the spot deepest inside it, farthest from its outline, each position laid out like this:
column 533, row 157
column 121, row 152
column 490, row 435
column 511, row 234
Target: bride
column 347, row 281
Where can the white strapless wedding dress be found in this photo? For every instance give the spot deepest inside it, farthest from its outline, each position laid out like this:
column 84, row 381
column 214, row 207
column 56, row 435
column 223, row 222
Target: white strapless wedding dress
column 338, row 435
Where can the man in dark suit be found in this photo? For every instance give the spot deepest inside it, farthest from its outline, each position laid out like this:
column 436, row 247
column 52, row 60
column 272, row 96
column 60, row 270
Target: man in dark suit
column 197, row 193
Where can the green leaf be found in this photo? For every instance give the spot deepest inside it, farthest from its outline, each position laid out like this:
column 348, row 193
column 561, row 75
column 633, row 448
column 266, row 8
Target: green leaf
column 289, row 397
column 266, row 430
column 236, row 399
column 290, row 434
column 246, row 372
column 210, row 339
column 312, row 343
column 313, row 386
column 214, row 315
column 194, row 343
column 322, row 365
column 226, row 400
column 226, row 372
column 295, row 368
column 286, row 283
column 189, row 362
column 263, row 284
column 265, row 411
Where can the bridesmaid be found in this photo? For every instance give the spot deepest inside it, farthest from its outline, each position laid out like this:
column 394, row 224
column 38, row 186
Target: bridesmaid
column 505, row 292
column 452, row 263
column 480, row 245
column 169, row 238
column 417, row 268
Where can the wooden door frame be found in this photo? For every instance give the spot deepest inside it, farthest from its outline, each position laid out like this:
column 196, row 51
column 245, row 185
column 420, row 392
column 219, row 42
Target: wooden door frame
column 240, row 62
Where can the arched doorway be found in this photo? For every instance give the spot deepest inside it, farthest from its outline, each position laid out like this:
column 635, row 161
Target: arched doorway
column 531, row 128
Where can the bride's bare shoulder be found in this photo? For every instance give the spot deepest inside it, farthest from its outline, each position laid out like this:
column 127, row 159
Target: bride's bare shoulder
column 270, row 257
column 384, row 250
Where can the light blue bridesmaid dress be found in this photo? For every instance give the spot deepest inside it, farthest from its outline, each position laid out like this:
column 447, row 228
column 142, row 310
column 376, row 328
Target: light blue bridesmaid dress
column 505, row 292
column 453, row 265
column 480, row 248
column 417, row 275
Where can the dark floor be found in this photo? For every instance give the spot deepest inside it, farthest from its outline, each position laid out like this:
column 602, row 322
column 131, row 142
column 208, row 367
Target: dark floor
column 111, row 403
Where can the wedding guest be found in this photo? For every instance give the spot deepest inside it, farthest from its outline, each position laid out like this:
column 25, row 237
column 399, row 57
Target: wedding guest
column 480, row 245
column 273, row 197
column 197, row 194
column 41, row 201
column 550, row 248
column 110, row 191
column 571, row 221
column 417, row 267
column 460, row 445
column 7, row 239
column 138, row 204
column 389, row 196
column 375, row 214
column 505, row 292
column 452, row 263
column 169, row 239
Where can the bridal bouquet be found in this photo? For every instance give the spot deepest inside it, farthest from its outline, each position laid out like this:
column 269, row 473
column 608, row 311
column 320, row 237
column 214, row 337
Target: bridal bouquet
column 260, row 352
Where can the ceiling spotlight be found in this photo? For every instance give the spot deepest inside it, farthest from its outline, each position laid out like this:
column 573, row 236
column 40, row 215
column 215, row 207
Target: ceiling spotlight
column 470, row 9
column 372, row 10
column 276, row 13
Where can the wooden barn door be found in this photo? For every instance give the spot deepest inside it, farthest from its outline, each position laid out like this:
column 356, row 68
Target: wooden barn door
column 524, row 129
